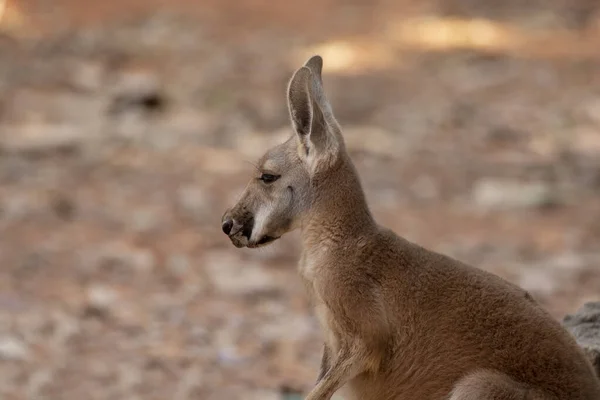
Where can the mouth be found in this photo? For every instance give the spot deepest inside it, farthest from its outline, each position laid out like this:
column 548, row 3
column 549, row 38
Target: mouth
column 265, row 240
column 242, row 241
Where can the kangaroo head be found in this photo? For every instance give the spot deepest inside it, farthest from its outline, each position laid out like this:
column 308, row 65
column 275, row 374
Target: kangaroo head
column 280, row 193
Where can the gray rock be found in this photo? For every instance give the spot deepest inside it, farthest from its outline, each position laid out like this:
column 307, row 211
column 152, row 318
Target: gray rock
column 585, row 326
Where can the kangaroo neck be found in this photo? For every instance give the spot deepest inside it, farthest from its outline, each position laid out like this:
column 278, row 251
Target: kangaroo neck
column 339, row 214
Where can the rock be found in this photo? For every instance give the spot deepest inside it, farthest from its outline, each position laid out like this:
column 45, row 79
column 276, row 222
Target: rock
column 497, row 194
column 101, row 299
column 35, row 137
column 13, row 349
column 585, row 326
column 137, row 89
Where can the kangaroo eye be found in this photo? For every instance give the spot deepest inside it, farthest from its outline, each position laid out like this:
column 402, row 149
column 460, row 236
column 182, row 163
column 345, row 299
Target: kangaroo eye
column 268, row 178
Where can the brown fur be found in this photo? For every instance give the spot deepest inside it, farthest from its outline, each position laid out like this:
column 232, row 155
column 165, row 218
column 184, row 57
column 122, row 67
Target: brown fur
column 399, row 321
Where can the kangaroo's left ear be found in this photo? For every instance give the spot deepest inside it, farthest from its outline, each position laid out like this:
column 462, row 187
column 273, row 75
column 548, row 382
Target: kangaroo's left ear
column 310, row 112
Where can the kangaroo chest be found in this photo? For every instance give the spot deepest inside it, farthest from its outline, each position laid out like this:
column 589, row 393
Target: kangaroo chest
column 308, row 267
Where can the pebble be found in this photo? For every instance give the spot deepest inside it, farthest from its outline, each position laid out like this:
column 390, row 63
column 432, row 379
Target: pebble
column 496, row 194
column 13, row 349
column 101, row 298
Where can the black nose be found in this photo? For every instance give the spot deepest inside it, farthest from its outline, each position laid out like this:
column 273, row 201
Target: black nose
column 227, row 225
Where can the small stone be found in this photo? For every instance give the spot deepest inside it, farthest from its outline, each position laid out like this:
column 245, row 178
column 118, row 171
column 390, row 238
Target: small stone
column 491, row 193
column 101, row 299
column 137, row 88
column 13, row 349
column 229, row 356
column 34, row 137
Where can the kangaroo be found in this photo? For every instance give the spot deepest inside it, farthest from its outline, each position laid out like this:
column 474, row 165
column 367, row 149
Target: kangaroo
column 399, row 321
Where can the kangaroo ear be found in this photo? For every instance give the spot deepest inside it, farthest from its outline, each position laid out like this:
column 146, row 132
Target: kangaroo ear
column 315, row 64
column 306, row 115
column 300, row 102
column 310, row 112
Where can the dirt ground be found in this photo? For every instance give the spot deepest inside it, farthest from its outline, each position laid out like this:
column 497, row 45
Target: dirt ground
column 127, row 128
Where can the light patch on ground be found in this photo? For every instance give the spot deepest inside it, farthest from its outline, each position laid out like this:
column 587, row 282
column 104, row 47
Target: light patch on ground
column 12, row 19
column 430, row 33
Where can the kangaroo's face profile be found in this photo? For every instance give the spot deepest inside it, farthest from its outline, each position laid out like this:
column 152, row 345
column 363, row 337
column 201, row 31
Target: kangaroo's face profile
column 279, row 193
column 273, row 201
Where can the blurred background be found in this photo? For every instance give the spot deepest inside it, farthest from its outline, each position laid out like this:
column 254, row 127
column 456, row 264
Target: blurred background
column 127, row 128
